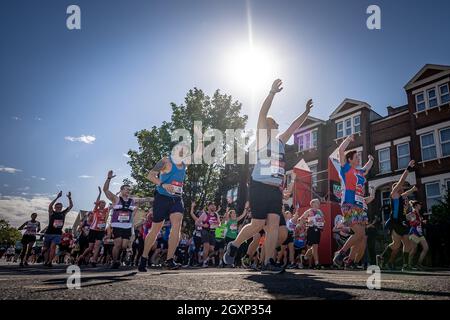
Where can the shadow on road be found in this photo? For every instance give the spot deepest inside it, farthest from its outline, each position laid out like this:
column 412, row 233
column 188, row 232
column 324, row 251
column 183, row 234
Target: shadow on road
column 296, row 286
column 306, row 286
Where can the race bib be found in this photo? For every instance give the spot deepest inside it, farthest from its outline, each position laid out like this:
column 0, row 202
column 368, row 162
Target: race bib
column 277, row 168
column 177, row 188
column 360, row 200
column 58, row 223
column 319, row 222
column 123, row 217
column 101, row 225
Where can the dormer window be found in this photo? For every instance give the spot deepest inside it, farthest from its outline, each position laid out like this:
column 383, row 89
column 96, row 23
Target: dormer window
column 348, row 126
column 307, row 140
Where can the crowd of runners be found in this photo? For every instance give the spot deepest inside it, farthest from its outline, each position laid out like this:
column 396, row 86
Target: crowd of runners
column 267, row 235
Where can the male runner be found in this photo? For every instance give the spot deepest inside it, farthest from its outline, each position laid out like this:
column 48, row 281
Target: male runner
column 53, row 233
column 266, row 198
column 32, row 227
column 122, row 216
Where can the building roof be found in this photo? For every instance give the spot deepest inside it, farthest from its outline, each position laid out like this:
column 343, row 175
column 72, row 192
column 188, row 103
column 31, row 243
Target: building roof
column 425, row 74
column 348, row 106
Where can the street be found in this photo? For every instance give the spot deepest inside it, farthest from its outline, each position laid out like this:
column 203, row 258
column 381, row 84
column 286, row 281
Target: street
column 38, row 282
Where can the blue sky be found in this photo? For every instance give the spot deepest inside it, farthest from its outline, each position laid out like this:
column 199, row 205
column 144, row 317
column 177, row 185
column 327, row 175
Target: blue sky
column 119, row 73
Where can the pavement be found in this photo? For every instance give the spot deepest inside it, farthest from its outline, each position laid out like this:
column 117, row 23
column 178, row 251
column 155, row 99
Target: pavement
column 38, row 282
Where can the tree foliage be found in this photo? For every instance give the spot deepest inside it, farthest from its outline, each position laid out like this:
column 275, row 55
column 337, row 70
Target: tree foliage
column 204, row 182
column 8, row 234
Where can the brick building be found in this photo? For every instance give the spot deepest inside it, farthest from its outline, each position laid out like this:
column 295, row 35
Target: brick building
column 418, row 130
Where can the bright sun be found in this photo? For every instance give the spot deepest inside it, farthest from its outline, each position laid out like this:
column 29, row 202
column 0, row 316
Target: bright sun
column 251, row 68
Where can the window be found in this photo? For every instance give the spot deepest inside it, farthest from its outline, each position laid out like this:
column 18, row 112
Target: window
column 444, row 135
column 444, row 93
column 313, row 168
column 432, row 98
column 420, row 102
column 340, row 130
column 357, row 124
column 348, row 127
column 301, row 143
column 307, row 140
column 403, row 156
column 384, row 160
column 314, row 138
column 428, row 146
column 359, row 155
column 385, row 198
column 433, row 194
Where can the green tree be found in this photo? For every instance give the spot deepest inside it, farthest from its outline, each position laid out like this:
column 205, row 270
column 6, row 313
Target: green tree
column 204, row 181
column 8, row 234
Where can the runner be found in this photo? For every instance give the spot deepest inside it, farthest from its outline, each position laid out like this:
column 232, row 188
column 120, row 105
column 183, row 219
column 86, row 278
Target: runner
column 266, row 197
column 168, row 205
column 32, row 227
column 220, row 243
column 397, row 222
column 65, row 246
column 97, row 225
column 53, row 233
column 210, row 222
column 354, row 210
column 416, row 235
column 314, row 221
column 288, row 244
column 83, row 237
column 122, row 216
column 197, row 236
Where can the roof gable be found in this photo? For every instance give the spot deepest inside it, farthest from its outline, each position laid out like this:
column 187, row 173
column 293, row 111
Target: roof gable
column 427, row 71
column 349, row 105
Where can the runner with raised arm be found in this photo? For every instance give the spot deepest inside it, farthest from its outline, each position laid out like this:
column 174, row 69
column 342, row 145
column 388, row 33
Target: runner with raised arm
column 266, row 198
column 97, row 222
column 53, row 233
column 397, row 222
column 124, row 208
column 353, row 207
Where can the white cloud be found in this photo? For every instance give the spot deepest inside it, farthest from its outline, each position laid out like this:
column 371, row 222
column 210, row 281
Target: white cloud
column 116, row 184
column 6, row 185
column 24, row 188
column 38, row 118
column 85, row 176
column 42, row 179
column 16, row 118
column 9, row 170
column 126, row 156
column 18, row 209
column 83, row 138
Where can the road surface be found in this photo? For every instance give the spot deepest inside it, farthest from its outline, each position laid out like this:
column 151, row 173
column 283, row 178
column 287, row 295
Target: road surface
column 38, row 282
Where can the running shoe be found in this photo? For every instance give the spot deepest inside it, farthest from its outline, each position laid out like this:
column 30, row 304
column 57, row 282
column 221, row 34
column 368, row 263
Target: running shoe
column 171, row 265
column 338, row 259
column 406, row 268
column 291, row 266
column 379, row 260
column 246, row 262
column 205, row 264
column 271, row 268
column 230, row 254
column 143, row 265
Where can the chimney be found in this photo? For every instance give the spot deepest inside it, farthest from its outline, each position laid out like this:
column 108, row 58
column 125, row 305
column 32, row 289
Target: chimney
column 390, row 110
